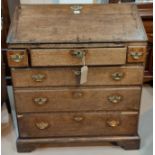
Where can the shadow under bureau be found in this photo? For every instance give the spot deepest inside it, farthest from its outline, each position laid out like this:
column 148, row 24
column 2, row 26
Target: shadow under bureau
column 77, row 73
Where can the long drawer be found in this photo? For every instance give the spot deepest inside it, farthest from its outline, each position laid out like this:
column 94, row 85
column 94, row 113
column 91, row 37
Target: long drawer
column 68, row 57
column 77, row 124
column 70, row 76
column 77, row 99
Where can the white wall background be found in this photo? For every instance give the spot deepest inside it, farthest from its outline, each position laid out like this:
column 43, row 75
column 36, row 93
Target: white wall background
column 37, row 1
column 55, row 1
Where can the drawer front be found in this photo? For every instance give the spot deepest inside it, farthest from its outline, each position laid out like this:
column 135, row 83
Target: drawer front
column 136, row 54
column 68, row 57
column 77, row 124
column 70, row 76
column 77, row 99
column 17, row 58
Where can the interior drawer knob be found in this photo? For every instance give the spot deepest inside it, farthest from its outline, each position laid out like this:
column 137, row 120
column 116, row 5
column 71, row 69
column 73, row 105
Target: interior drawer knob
column 40, row 100
column 117, row 76
column 115, row 98
column 17, row 57
column 78, row 118
column 38, row 77
column 113, row 123
column 42, row 125
column 136, row 55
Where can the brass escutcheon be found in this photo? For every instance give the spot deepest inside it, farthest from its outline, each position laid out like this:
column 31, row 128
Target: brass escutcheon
column 17, row 57
column 40, row 100
column 77, row 72
column 78, row 53
column 42, row 125
column 38, row 77
column 113, row 123
column 136, row 55
column 115, row 98
column 78, row 118
column 76, row 9
column 77, row 94
column 117, row 76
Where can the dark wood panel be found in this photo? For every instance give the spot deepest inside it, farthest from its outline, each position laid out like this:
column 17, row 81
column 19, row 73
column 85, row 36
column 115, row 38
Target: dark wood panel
column 126, row 142
column 8, row 7
column 146, row 13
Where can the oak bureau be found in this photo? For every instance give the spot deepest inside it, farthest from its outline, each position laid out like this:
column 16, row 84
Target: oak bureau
column 77, row 73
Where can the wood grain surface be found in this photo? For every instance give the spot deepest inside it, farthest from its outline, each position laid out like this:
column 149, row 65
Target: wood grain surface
column 77, row 99
column 67, row 124
column 51, row 105
column 64, row 57
column 66, row 76
column 58, row 24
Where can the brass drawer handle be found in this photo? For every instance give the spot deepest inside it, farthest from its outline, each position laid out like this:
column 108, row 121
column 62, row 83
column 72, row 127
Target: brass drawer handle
column 17, row 57
column 78, row 118
column 117, row 76
column 40, row 100
column 77, row 72
column 42, row 125
column 76, row 9
column 136, row 55
column 78, row 53
column 38, row 77
column 115, row 98
column 77, row 94
column 113, row 123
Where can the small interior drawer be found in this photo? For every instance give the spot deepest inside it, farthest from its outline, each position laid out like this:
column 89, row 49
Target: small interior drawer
column 17, row 58
column 136, row 54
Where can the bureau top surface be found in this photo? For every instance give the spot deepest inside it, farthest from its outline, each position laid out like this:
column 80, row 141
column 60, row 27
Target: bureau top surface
column 58, row 24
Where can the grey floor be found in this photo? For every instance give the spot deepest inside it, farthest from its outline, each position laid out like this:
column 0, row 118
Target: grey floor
column 145, row 131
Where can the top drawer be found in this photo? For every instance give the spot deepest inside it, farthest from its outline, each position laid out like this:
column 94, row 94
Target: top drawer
column 68, row 57
column 70, row 76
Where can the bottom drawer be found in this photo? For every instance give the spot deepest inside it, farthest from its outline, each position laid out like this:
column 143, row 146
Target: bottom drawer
column 77, row 124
